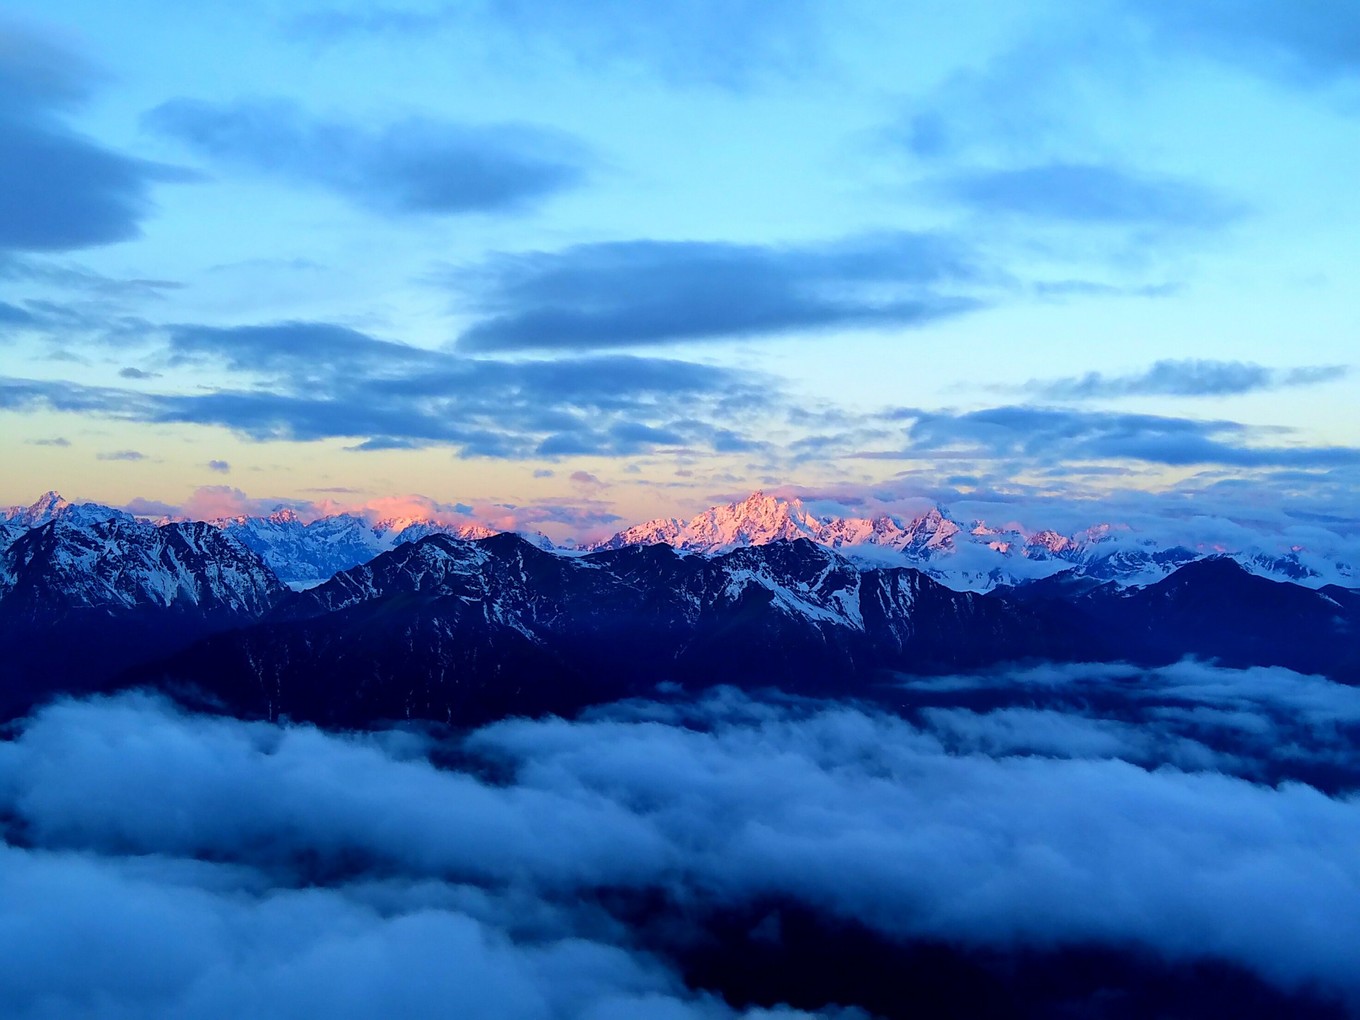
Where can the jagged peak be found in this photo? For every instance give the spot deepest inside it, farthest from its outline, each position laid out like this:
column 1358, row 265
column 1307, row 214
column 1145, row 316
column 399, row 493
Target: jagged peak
column 49, row 501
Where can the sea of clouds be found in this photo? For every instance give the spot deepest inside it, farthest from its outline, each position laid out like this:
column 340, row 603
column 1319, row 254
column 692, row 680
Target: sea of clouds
column 164, row 864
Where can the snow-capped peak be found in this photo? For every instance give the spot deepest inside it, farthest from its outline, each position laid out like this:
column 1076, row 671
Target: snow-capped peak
column 51, row 506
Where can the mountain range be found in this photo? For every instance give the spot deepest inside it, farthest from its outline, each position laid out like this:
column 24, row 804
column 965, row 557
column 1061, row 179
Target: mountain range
column 969, row 555
column 460, row 629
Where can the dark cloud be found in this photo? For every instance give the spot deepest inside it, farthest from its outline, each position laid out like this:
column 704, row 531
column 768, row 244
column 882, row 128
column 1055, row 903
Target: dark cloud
column 688, row 42
column 320, row 381
column 1052, row 436
column 1091, row 193
column 650, row 292
column 57, row 441
column 59, row 190
column 136, row 373
column 215, row 868
column 415, row 166
column 1187, row 378
column 220, row 466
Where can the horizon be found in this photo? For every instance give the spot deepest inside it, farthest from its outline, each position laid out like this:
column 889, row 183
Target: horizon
column 1029, row 258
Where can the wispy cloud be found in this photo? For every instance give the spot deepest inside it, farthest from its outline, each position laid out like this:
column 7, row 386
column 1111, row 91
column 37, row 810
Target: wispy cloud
column 1092, row 194
column 1039, row 436
column 1185, row 378
column 129, row 455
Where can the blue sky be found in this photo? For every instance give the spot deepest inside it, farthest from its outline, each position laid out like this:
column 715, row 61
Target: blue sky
column 609, row 259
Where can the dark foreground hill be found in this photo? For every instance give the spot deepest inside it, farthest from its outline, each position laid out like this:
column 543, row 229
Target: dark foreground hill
column 462, row 632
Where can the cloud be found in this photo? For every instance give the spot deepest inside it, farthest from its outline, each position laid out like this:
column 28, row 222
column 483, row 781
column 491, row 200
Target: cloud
column 211, row 502
column 320, row 348
column 411, row 167
column 215, row 867
column 586, row 481
column 1044, row 435
column 1092, row 194
column 1185, row 378
column 649, row 292
column 60, row 191
column 1267, row 724
column 121, row 455
column 140, row 506
column 55, row 441
column 320, row 381
column 137, row 373
column 220, row 466
column 687, row 43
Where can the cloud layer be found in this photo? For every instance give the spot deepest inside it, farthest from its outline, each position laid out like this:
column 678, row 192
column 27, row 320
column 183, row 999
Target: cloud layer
column 256, row 867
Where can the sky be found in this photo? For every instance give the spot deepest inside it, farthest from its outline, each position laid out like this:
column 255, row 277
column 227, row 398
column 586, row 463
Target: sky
column 585, row 263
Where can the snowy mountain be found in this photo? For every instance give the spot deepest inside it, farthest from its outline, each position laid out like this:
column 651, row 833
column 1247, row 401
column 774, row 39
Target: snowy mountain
column 301, row 553
column 120, row 563
column 50, row 506
column 971, row 556
column 82, row 599
column 967, row 555
column 306, row 554
column 458, row 630
column 462, row 632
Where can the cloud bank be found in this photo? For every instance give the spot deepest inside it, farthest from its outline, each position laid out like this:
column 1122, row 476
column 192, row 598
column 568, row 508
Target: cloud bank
column 578, row 868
